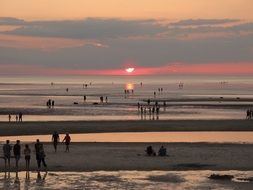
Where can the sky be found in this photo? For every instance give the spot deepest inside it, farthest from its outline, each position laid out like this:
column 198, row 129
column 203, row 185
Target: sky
column 104, row 37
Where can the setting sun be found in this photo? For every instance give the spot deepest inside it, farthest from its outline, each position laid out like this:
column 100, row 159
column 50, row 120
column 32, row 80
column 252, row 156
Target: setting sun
column 129, row 70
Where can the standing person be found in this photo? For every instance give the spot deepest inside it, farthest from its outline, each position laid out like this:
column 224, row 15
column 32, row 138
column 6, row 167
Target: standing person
column 20, row 117
column 40, row 154
column 16, row 152
column 7, row 153
column 55, row 140
column 67, row 140
column 106, row 99
column 84, row 98
column 27, row 153
column 16, row 118
column 9, row 117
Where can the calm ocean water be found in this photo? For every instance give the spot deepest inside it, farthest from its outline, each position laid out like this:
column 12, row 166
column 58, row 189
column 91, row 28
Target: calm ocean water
column 161, row 180
column 30, row 94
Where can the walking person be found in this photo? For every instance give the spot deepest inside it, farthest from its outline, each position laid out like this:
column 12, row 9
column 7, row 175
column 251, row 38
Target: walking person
column 55, row 140
column 16, row 152
column 9, row 117
column 67, row 140
column 7, row 153
column 40, row 154
column 27, row 153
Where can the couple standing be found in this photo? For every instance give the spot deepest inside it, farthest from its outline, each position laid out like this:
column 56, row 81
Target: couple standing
column 56, row 139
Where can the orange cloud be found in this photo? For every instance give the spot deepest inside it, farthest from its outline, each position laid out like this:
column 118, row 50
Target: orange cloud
column 44, row 43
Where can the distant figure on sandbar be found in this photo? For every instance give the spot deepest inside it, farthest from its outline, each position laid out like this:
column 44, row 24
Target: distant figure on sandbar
column 40, row 154
column 67, row 140
column 9, row 117
column 150, row 151
column 249, row 113
column 20, row 117
column 16, row 152
column 52, row 103
column 138, row 105
column 67, row 89
column 101, row 99
column 162, row 151
column 7, row 153
column 106, row 99
column 16, row 118
column 84, row 98
column 148, row 101
column 154, row 94
column 27, row 153
column 55, row 140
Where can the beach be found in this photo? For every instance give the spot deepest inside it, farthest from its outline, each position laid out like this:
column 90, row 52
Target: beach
column 40, row 128
column 132, row 156
column 203, row 127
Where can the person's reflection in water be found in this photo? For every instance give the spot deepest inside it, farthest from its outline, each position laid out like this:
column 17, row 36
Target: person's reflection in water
column 17, row 182
column 41, row 180
column 7, row 181
column 27, row 180
column 7, row 175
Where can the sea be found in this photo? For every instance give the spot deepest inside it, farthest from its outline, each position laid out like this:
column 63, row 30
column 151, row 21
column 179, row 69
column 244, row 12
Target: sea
column 186, row 97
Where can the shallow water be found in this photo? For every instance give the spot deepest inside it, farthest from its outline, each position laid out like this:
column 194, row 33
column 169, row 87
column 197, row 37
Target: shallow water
column 170, row 137
column 29, row 95
column 115, row 180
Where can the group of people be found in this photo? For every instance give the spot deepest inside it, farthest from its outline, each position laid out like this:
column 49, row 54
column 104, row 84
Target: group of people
column 249, row 114
column 19, row 117
column 50, row 103
column 39, row 151
column 151, row 152
column 102, row 99
column 150, row 110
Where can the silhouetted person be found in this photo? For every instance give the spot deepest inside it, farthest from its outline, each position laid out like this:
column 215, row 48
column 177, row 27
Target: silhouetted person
column 55, row 140
column 16, row 118
column 101, row 99
column 150, row 151
column 40, row 154
column 162, row 151
column 9, row 117
column 7, row 153
column 148, row 101
column 84, row 98
column 67, row 140
column 20, row 117
column 52, row 103
column 27, row 153
column 106, row 99
column 17, row 152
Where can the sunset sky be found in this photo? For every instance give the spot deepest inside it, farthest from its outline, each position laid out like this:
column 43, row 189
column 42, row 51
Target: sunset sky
column 64, row 37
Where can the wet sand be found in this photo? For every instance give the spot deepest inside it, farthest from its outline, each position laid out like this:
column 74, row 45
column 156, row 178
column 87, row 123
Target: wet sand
column 131, row 156
column 42, row 128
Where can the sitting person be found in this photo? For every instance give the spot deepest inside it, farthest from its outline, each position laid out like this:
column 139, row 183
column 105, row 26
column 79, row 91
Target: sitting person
column 150, row 151
column 162, row 151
